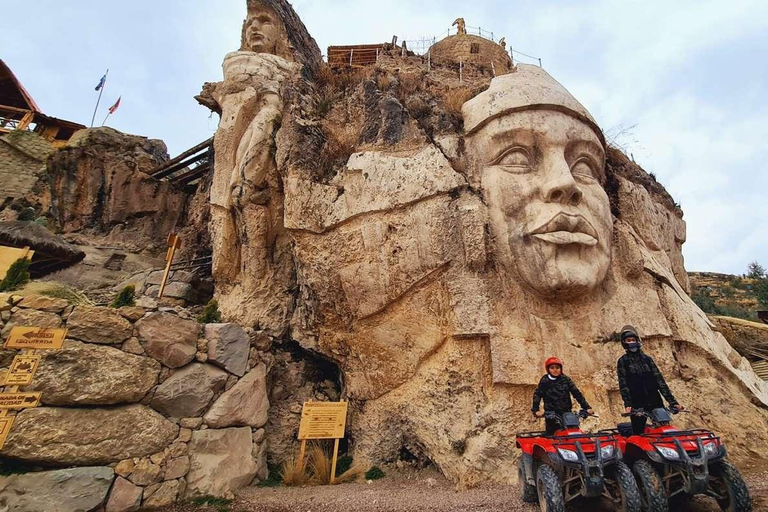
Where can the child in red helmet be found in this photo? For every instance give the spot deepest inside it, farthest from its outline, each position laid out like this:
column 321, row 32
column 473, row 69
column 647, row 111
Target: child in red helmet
column 556, row 390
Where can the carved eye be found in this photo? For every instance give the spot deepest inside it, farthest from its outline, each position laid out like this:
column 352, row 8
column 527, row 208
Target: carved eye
column 584, row 168
column 515, row 160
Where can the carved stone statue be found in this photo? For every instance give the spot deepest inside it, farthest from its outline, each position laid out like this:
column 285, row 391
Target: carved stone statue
column 251, row 261
column 503, row 43
column 460, row 26
column 438, row 272
column 539, row 158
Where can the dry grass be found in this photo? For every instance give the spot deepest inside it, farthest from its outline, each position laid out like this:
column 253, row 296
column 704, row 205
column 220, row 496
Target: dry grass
column 409, row 83
column 454, row 99
column 294, row 472
column 319, row 465
column 339, row 146
column 383, row 81
column 315, row 469
column 56, row 290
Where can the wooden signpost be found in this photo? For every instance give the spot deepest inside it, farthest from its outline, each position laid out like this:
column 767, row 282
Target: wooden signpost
column 323, row 420
column 23, row 369
column 173, row 244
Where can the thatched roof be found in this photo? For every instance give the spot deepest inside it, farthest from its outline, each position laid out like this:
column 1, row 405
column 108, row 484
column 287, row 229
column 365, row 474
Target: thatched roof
column 51, row 252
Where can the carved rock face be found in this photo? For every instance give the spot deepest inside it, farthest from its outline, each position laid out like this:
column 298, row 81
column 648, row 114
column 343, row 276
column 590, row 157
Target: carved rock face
column 262, row 31
column 541, row 173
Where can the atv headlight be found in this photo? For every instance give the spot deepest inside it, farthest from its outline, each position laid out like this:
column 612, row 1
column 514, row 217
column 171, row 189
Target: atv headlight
column 711, row 449
column 606, row 451
column 568, row 455
column 668, row 453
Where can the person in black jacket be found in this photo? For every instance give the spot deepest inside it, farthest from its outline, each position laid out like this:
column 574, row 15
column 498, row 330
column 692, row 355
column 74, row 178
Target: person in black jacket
column 556, row 390
column 640, row 381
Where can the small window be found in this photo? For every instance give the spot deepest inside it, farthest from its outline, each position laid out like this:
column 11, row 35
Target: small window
column 474, row 48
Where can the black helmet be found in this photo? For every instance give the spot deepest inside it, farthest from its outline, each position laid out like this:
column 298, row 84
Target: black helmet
column 629, row 332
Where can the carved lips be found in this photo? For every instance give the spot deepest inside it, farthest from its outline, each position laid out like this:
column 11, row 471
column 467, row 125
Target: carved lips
column 564, row 229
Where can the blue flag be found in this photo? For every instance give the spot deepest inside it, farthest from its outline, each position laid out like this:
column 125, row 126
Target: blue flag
column 101, row 82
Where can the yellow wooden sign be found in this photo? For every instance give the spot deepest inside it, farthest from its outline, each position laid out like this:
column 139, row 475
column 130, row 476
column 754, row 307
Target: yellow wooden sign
column 19, row 400
column 323, row 420
column 22, row 370
column 8, row 255
column 36, row 338
column 6, row 422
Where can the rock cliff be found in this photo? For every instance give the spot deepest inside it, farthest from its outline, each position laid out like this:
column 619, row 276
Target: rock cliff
column 437, row 237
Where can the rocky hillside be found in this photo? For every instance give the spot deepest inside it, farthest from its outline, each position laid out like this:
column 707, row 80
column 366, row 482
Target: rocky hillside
column 726, row 294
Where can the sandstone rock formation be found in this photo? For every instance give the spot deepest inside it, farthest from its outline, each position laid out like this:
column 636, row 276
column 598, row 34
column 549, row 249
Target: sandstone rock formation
column 245, row 404
column 63, row 436
column 98, row 325
column 438, row 257
column 88, row 374
column 188, row 392
column 63, row 490
column 168, row 338
column 220, row 462
column 124, row 496
column 99, row 185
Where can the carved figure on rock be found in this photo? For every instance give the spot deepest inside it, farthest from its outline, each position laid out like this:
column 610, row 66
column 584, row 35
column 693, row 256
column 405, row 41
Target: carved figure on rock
column 460, row 26
column 251, row 261
column 539, row 159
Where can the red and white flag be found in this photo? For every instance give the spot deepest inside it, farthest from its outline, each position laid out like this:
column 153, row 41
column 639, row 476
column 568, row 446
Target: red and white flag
column 114, row 107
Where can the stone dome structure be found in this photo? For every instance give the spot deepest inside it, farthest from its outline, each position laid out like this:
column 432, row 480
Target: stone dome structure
column 471, row 49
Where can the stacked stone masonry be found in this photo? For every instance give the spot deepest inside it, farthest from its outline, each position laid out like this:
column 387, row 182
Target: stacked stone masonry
column 143, row 405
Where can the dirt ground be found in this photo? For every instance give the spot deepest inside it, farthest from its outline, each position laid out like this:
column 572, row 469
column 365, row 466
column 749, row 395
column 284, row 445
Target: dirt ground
column 428, row 491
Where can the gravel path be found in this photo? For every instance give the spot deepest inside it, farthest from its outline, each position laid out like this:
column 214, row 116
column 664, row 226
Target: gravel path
column 428, row 491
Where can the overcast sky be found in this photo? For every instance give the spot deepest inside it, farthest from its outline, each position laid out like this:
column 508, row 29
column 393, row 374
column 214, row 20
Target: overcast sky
column 691, row 77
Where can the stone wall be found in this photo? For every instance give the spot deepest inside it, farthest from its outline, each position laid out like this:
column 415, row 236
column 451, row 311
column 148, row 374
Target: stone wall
column 471, row 49
column 143, row 404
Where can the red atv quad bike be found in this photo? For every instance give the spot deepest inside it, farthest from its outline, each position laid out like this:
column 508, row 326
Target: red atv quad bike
column 669, row 462
column 555, row 469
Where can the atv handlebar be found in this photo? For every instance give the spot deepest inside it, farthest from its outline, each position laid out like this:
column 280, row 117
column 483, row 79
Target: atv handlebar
column 642, row 412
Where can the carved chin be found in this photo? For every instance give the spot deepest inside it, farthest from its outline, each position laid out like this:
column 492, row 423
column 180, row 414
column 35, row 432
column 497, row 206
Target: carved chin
column 566, row 275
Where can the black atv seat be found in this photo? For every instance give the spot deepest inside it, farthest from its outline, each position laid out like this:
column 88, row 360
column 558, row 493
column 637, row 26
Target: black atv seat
column 625, row 429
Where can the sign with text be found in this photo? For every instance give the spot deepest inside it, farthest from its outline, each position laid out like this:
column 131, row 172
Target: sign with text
column 36, row 338
column 19, row 400
column 22, row 370
column 6, row 422
column 323, row 420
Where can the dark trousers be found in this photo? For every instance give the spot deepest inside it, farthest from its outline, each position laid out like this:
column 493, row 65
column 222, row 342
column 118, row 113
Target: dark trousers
column 551, row 426
column 638, row 424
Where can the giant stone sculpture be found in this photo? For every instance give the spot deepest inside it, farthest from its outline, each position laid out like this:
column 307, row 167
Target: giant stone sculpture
column 440, row 273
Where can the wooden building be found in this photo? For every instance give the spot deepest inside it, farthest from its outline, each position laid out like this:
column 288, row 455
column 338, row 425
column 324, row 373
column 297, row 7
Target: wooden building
column 18, row 111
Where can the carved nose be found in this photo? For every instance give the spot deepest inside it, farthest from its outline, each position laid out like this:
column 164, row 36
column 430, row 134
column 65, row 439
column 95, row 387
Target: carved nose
column 566, row 194
column 560, row 186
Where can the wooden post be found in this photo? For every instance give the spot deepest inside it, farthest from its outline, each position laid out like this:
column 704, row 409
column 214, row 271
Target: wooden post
column 335, row 456
column 173, row 244
column 25, row 121
column 301, row 452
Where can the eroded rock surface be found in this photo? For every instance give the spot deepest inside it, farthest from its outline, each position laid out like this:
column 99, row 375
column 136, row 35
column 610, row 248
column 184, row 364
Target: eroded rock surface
column 188, row 392
column 220, row 462
column 168, row 338
column 245, row 404
column 63, row 490
column 88, row 374
column 64, row 436
column 98, row 325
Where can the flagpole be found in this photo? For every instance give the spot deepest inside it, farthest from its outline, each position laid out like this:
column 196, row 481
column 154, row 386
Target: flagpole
column 105, row 118
column 101, row 90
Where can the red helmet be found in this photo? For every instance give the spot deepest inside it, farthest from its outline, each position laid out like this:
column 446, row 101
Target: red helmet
column 552, row 360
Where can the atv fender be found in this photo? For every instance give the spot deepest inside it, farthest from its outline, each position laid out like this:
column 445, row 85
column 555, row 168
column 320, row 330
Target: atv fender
column 530, row 470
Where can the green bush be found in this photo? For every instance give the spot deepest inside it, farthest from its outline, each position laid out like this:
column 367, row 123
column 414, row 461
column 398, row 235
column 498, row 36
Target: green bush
column 17, row 276
column 126, row 297
column 374, row 473
column 755, row 271
column 211, row 313
column 704, row 300
column 28, row 214
column 343, row 463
